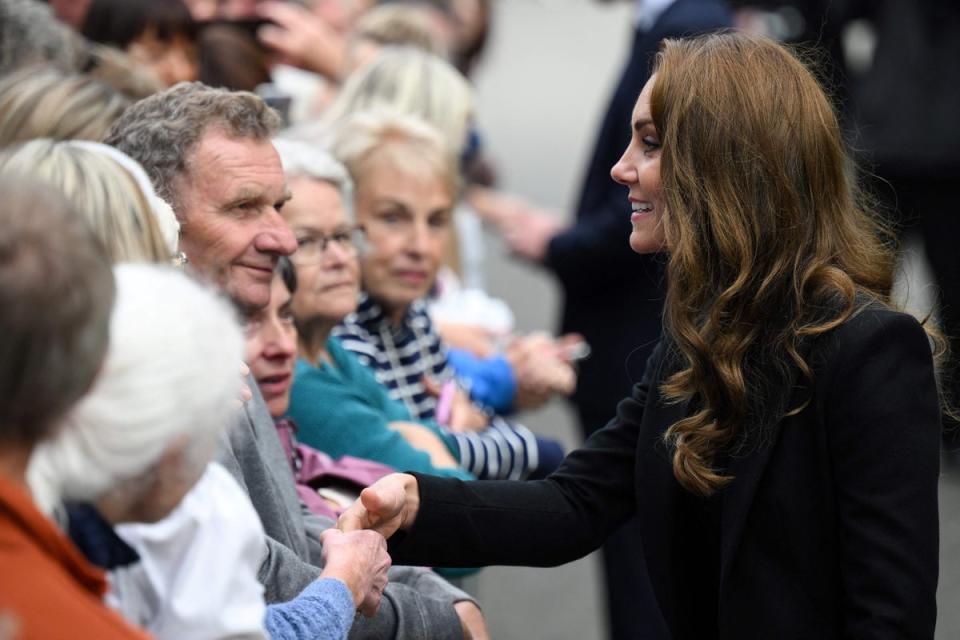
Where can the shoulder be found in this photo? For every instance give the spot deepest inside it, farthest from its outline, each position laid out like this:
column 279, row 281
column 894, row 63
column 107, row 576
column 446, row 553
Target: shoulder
column 874, row 330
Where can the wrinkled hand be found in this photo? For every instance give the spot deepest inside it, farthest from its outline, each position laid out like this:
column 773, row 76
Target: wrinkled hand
column 389, row 504
column 302, row 38
column 360, row 560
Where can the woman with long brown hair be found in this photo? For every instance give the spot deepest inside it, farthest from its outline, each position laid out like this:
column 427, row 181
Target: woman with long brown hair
column 782, row 449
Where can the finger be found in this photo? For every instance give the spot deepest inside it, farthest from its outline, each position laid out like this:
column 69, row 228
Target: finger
column 431, row 386
column 351, row 520
column 273, row 37
column 282, row 13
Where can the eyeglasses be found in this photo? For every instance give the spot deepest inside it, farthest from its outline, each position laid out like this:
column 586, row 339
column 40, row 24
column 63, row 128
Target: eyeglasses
column 312, row 245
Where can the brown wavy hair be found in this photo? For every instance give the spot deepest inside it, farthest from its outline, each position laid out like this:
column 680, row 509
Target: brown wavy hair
column 770, row 243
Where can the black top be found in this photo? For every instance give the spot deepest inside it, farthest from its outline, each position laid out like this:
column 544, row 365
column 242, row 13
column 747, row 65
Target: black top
column 829, row 528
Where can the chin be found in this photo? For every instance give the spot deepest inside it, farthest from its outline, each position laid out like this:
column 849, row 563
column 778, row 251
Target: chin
column 644, row 242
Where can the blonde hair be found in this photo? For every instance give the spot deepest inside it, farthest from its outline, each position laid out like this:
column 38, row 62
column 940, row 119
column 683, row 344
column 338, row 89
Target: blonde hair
column 411, row 81
column 399, row 25
column 407, row 143
column 106, row 194
column 48, row 103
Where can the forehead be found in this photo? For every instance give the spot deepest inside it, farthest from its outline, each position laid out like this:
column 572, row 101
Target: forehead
column 223, row 167
column 386, row 176
column 315, row 203
column 641, row 110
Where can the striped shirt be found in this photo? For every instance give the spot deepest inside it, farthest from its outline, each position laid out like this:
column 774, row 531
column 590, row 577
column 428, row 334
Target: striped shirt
column 401, row 355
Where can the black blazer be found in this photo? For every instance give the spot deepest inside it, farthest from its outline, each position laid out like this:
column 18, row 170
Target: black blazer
column 828, row 530
column 613, row 296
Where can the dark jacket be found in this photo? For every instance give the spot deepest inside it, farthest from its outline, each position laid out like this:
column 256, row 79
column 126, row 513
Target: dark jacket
column 828, row 530
column 613, row 296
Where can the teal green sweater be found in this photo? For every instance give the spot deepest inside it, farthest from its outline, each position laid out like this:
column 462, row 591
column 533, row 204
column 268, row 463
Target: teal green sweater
column 343, row 410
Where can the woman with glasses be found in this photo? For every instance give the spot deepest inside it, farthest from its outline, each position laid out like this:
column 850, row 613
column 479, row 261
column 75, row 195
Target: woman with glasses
column 337, row 403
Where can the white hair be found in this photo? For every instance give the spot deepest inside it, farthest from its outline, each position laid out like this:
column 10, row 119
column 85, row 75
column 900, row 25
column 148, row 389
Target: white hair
column 303, row 160
column 172, row 370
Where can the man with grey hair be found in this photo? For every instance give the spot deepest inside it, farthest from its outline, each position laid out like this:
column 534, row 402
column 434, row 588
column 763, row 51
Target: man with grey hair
column 208, row 152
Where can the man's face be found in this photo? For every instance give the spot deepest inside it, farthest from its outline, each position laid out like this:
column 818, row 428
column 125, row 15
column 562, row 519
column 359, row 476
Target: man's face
column 231, row 229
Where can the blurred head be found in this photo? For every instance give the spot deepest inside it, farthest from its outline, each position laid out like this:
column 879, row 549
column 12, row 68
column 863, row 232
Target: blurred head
column 400, row 24
column 208, row 153
column 109, row 190
column 411, row 81
column 320, row 214
column 406, row 181
column 143, row 435
column 56, row 290
column 30, row 34
column 47, row 103
column 158, row 35
column 271, row 342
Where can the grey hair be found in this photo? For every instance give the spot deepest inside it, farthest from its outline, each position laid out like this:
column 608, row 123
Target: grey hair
column 30, row 34
column 162, row 132
column 302, row 160
column 56, row 290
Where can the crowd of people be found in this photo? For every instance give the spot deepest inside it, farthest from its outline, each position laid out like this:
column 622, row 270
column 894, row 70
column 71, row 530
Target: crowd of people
column 252, row 385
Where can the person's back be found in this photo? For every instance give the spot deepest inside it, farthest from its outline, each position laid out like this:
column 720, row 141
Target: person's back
column 55, row 294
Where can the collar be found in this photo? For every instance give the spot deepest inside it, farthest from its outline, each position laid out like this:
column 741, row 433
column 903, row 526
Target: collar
column 371, row 314
column 96, row 538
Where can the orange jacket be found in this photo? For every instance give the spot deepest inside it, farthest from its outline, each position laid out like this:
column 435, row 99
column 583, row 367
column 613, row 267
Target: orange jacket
column 46, row 586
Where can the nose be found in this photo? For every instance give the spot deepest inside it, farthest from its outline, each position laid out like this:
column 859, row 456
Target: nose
column 418, row 239
column 278, row 343
column 276, row 237
column 623, row 171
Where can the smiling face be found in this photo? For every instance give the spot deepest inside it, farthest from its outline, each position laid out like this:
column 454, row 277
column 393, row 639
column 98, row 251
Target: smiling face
column 232, row 232
column 328, row 285
column 639, row 170
column 407, row 218
column 271, row 348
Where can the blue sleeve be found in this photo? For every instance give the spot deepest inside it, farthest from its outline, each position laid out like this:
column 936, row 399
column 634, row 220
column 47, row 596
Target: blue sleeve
column 324, row 610
column 490, row 380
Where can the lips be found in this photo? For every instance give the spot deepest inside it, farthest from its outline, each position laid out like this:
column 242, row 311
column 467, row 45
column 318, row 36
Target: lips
column 275, row 385
column 411, row 276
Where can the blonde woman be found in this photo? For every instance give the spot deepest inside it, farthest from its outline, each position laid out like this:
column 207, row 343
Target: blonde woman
column 106, row 187
column 47, row 103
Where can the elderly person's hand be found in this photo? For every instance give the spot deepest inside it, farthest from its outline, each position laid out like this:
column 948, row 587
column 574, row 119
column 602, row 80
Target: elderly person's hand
column 460, row 414
column 389, row 504
column 302, row 39
column 360, row 560
column 541, row 368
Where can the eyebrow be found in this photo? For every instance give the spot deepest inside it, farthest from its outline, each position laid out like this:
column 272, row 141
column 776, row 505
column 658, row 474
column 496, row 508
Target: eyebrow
column 640, row 124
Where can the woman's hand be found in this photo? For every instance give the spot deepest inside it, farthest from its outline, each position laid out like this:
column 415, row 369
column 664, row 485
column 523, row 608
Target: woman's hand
column 420, row 437
column 464, row 415
column 389, row 504
column 360, row 560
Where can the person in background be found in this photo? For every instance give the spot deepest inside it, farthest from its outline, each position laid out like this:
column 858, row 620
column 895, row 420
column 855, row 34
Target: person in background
column 407, row 180
column 337, row 403
column 208, row 154
column 56, row 292
column 161, row 36
column 47, row 103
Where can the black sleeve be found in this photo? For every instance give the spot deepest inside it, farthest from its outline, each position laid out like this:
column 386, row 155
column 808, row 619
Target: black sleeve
column 883, row 428
column 535, row 523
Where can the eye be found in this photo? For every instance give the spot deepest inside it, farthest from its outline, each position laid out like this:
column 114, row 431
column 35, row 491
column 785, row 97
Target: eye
column 439, row 220
column 305, row 242
column 341, row 237
column 285, row 315
column 650, row 143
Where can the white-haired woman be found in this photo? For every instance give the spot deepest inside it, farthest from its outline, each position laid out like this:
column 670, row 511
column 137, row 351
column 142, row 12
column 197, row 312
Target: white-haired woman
column 141, row 442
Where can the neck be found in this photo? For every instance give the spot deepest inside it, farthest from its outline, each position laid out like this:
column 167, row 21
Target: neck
column 13, row 464
column 312, row 340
